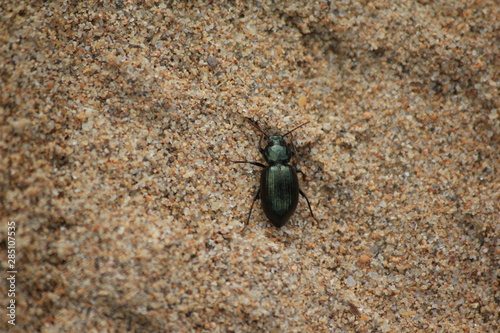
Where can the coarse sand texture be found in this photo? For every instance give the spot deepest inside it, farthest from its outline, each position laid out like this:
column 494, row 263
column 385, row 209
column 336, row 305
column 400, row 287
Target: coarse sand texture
column 121, row 209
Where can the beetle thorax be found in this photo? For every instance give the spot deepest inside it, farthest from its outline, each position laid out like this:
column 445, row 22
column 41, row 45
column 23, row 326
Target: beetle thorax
column 277, row 151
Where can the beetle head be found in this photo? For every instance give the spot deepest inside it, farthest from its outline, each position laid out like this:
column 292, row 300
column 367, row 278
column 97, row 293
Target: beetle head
column 277, row 150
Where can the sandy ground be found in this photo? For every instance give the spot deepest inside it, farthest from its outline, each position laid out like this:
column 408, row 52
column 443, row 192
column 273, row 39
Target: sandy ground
column 119, row 121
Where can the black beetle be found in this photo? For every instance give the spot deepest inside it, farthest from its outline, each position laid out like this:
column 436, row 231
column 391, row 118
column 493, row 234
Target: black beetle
column 279, row 185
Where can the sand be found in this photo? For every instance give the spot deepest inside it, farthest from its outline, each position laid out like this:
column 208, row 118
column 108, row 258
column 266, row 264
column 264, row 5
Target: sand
column 119, row 122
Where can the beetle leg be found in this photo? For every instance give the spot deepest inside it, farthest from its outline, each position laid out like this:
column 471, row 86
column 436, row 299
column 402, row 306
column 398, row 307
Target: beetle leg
column 301, row 172
column 308, row 204
column 253, row 163
column 257, row 195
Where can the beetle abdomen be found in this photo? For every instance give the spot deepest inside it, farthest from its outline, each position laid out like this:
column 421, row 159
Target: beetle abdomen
column 279, row 191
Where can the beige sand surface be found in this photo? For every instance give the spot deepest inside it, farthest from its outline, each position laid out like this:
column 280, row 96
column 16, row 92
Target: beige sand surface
column 118, row 122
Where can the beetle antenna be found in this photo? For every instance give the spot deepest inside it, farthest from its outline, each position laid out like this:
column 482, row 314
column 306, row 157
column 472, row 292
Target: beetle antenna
column 254, row 124
column 307, row 122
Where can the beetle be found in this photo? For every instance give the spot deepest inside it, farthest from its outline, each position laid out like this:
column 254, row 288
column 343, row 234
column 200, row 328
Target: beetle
column 279, row 185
